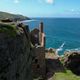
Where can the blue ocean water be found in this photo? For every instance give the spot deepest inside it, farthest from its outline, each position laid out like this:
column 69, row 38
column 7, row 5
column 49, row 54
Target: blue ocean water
column 60, row 31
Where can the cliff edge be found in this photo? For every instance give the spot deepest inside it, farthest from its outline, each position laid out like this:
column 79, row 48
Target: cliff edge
column 15, row 53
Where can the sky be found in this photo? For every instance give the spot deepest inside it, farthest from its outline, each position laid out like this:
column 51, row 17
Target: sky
column 42, row 8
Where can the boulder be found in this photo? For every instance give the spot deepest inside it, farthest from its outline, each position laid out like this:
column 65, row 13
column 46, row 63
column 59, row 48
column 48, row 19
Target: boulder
column 72, row 61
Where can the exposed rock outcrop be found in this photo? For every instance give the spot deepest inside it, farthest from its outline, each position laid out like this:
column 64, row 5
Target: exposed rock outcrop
column 15, row 53
column 72, row 61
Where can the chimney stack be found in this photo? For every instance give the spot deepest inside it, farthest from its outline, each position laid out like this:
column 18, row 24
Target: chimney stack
column 40, row 32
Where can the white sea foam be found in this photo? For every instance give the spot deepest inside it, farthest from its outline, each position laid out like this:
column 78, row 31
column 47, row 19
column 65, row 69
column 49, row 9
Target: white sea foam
column 29, row 20
column 75, row 49
column 60, row 48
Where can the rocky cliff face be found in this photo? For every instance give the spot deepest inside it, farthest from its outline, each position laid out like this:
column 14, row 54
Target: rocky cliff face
column 15, row 54
column 72, row 61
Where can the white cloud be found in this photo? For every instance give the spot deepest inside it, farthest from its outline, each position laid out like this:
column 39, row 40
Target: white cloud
column 46, row 1
column 77, row 13
column 72, row 10
column 49, row 1
column 16, row 1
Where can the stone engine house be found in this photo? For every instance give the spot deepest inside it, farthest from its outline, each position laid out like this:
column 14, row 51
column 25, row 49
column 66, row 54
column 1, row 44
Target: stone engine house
column 38, row 40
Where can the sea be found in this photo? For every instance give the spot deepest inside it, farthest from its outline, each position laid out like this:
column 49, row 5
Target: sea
column 63, row 34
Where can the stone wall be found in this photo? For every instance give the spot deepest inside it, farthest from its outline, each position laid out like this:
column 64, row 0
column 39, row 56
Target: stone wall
column 15, row 56
column 38, row 65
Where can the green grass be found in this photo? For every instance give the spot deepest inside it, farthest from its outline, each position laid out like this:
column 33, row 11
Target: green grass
column 68, row 75
column 10, row 30
column 4, row 15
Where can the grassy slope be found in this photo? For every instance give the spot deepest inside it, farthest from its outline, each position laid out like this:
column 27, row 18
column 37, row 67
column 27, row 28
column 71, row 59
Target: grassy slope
column 8, row 29
column 4, row 15
column 68, row 75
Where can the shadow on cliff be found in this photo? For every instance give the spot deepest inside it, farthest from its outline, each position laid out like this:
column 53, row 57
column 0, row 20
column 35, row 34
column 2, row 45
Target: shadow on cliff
column 53, row 66
column 73, row 63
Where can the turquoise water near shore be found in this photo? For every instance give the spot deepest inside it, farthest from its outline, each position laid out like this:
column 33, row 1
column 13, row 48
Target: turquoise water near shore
column 60, row 31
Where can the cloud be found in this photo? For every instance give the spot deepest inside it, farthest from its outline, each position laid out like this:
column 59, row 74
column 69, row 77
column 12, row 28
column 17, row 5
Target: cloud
column 16, row 1
column 46, row 1
column 72, row 10
column 49, row 1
